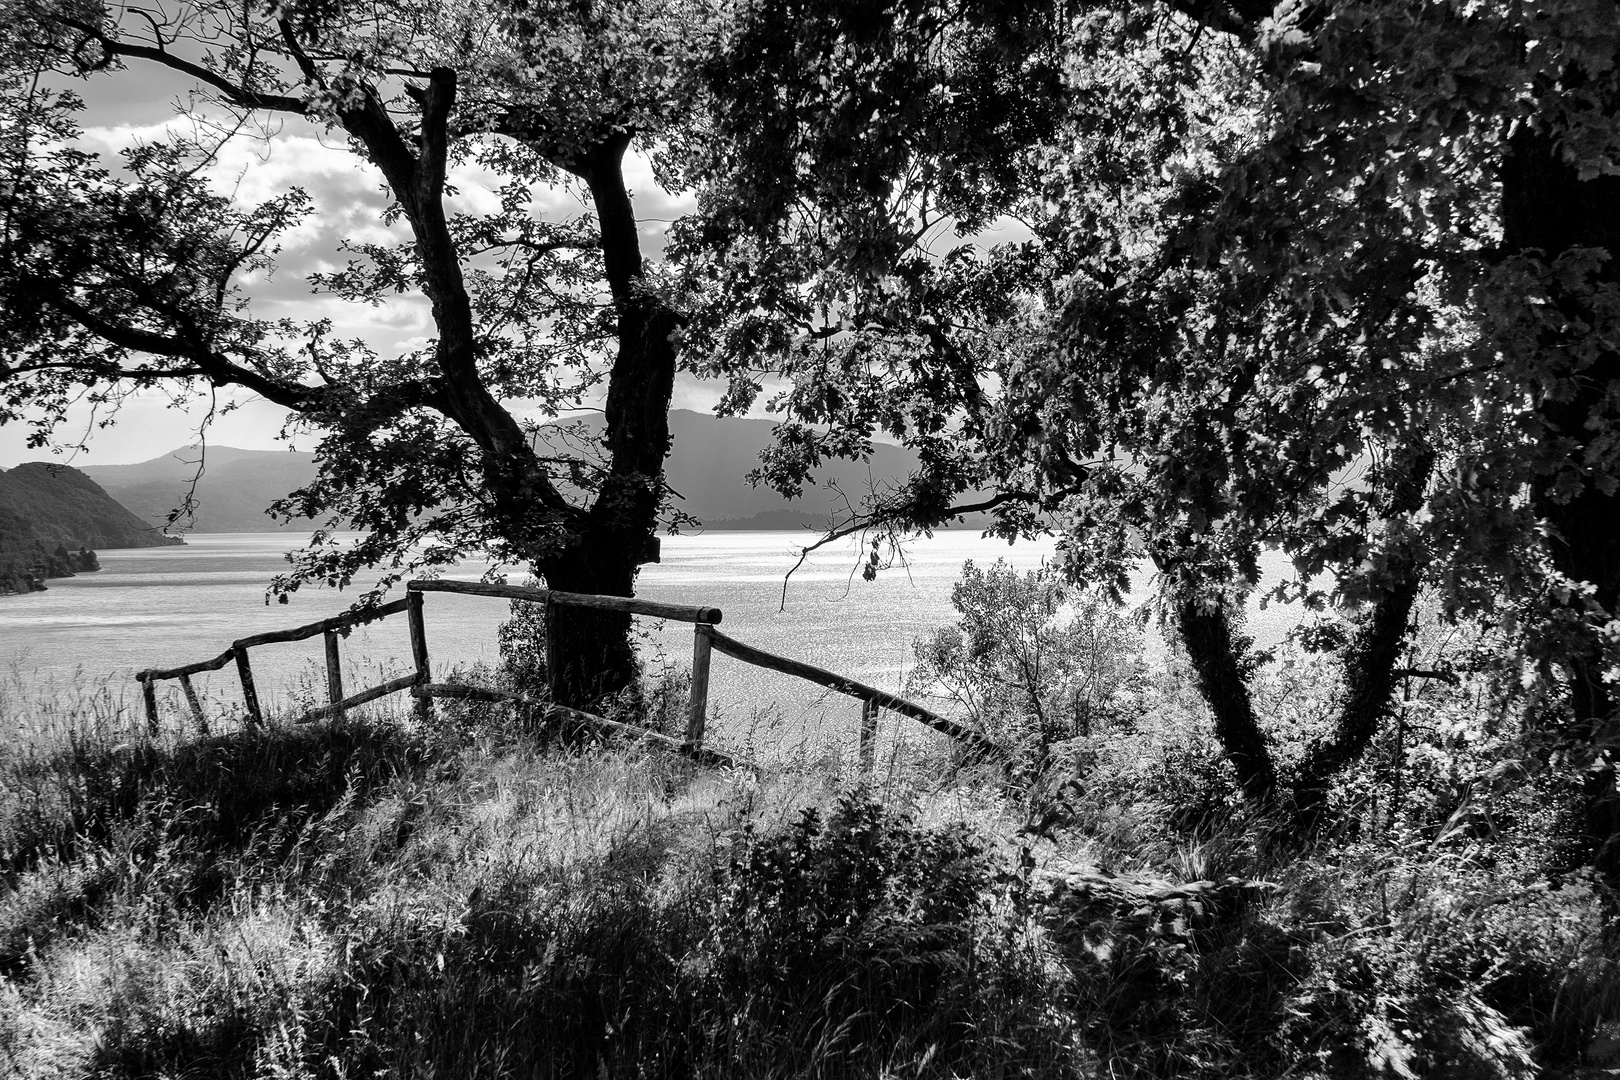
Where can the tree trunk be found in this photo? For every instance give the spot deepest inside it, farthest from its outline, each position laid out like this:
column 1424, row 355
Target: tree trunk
column 1547, row 209
column 1207, row 634
column 593, row 651
column 1369, row 661
column 1368, row 666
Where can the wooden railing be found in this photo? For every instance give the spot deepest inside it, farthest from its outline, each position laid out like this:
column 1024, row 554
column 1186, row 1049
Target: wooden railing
column 238, row 651
column 705, row 639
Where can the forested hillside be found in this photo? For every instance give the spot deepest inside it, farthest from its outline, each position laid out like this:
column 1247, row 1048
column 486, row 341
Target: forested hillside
column 51, row 519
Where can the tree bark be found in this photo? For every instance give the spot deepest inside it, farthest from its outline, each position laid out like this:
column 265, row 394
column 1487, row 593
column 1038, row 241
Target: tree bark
column 1207, row 633
column 594, row 654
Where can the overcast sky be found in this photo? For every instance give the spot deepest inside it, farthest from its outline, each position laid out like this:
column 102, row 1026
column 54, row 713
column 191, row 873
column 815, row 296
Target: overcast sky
column 348, row 200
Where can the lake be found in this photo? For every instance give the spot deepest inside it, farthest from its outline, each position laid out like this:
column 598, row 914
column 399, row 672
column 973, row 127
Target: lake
column 161, row 607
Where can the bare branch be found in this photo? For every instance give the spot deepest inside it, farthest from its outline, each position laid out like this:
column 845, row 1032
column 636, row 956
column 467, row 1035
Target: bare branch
column 235, row 93
column 859, row 522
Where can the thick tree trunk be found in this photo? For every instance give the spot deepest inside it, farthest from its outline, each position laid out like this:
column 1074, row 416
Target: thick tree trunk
column 1207, row 634
column 1369, row 683
column 1547, row 209
column 593, row 652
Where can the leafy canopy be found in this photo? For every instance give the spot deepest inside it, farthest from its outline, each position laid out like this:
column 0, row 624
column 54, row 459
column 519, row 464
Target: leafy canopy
column 145, row 272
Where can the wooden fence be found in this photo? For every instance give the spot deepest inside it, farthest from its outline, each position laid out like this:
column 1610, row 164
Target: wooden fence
column 705, row 639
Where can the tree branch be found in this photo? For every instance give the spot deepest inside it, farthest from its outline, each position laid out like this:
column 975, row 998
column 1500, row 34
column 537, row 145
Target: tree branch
column 235, row 93
column 862, row 522
column 615, row 216
column 437, row 102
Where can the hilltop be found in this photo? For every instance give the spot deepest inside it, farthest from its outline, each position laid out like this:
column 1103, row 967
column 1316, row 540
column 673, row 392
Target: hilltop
column 52, row 517
column 232, row 486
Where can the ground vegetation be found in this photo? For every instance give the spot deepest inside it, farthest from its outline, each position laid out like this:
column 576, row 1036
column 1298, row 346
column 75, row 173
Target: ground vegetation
column 458, row 898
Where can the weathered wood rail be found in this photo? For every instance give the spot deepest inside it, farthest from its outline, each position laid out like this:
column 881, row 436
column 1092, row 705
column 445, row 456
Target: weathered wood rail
column 238, row 651
column 705, row 640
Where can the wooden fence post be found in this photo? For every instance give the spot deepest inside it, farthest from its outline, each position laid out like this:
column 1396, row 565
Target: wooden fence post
column 250, row 695
column 697, row 710
column 549, row 617
column 869, row 719
column 149, row 695
column 196, row 706
column 334, row 672
column 419, row 654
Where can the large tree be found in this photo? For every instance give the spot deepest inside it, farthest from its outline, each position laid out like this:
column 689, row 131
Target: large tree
column 1336, row 277
column 142, row 272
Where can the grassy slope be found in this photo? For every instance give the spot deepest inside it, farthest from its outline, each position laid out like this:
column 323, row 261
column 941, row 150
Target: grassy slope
column 374, row 898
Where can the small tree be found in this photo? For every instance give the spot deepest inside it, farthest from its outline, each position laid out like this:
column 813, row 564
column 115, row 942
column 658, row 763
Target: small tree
column 1032, row 656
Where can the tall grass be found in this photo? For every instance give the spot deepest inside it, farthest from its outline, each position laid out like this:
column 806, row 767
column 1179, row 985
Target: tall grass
column 378, row 896
column 383, row 897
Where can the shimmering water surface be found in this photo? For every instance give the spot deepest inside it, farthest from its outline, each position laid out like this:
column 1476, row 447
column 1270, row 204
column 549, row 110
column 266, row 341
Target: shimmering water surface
column 160, row 607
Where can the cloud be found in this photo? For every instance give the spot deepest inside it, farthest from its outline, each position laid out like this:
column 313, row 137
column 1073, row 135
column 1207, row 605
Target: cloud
column 348, row 201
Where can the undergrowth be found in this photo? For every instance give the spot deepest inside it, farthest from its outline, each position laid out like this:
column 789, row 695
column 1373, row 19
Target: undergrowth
column 382, row 896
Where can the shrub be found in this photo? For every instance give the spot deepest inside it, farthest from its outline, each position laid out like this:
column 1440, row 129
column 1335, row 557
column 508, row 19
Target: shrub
column 522, row 643
column 1032, row 658
column 876, row 943
column 1446, row 964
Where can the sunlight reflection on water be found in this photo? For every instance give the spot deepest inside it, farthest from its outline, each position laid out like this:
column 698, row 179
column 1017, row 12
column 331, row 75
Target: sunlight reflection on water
column 166, row 606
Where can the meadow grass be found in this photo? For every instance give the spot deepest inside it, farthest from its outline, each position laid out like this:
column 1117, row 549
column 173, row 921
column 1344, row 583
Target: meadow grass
column 470, row 897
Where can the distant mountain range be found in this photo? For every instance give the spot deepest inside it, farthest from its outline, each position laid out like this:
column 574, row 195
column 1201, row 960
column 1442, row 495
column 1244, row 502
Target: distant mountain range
column 707, row 467
column 52, row 517
column 233, row 487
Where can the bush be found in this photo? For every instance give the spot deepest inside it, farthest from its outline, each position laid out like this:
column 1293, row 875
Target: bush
column 877, row 945
column 522, row 643
column 1446, row 964
column 1032, row 659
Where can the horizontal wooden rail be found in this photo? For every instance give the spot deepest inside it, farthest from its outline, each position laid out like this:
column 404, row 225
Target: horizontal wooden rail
column 677, row 612
column 337, row 622
column 602, row 723
column 833, row 681
column 270, row 637
column 187, row 669
column 424, row 689
column 404, row 682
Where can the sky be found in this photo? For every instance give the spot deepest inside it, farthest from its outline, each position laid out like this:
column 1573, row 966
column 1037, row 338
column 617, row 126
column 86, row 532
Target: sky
column 347, row 194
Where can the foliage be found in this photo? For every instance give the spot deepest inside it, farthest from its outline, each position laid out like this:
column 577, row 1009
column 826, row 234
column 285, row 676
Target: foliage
column 884, row 909
column 364, row 896
column 1031, row 656
column 522, row 641
column 1303, row 276
column 858, row 149
column 1447, row 964
column 147, row 271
